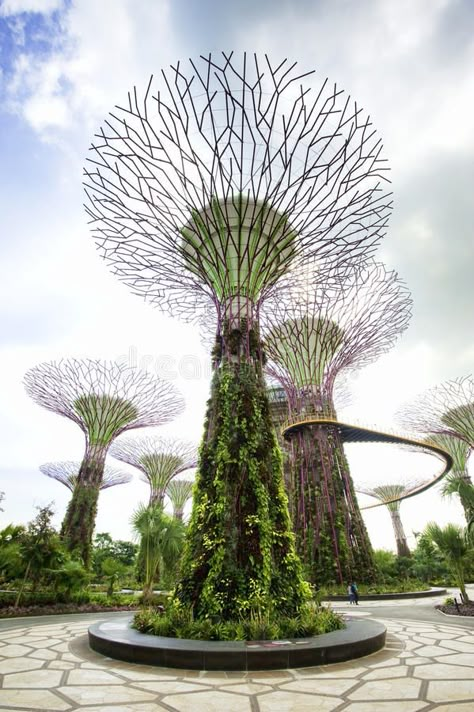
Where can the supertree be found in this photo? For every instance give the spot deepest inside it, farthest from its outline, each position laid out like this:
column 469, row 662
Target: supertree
column 179, row 491
column 445, row 414
column 326, row 330
column 68, row 474
column 391, row 496
column 204, row 191
column 158, row 459
column 104, row 399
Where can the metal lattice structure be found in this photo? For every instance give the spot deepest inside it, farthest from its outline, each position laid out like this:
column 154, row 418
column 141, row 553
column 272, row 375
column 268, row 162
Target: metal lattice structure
column 104, row 399
column 158, row 459
column 67, row 473
column 179, row 491
column 446, row 409
column 328, row 329
column 391, row 495
column 225, row 171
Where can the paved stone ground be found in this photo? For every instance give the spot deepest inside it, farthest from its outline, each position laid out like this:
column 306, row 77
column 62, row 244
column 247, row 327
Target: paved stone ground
column 426, row 665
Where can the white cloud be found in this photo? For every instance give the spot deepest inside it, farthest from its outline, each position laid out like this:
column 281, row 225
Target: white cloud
column 15, row 7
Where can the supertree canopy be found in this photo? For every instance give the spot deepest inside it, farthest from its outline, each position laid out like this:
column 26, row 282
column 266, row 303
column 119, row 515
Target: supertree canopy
column 391, row 495
column 179, row 491
column 445, row 414
column 68, row 474
column 104, row 399
column 204, row 191
column 446, row 409
column 326, row 330
column 158, row 459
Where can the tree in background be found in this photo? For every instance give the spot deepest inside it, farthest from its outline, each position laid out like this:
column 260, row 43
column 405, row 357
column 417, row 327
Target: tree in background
column 12, row 565
column 451, row 542
column 104, row 400
column 104, row 547
column 161, row 543
column 40, row 548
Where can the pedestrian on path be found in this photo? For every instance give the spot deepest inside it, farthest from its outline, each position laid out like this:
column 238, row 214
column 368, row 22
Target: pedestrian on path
column 354, row 593
column 351, row 595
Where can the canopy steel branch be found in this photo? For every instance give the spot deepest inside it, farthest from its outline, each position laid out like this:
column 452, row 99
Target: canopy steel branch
column 210, row 183
column 331, row 327
column 391, row 495
column 158, row 459
column 179, row 492
column 104, row 399
column 446, row 409
column 68, row 474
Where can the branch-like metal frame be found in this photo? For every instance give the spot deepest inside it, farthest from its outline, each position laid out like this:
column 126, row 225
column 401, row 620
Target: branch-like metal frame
column 227, row 145
column 103, row 398
column 158, row 459
column 67, row 473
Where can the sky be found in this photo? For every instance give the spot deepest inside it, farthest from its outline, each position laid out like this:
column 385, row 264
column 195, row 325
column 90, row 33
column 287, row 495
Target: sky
column 65, row 64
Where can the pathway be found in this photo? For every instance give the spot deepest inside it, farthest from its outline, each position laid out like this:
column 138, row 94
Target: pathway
column 46, row 665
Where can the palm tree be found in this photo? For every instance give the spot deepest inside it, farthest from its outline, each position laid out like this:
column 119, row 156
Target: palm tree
column 451, row 542
column 161, row 543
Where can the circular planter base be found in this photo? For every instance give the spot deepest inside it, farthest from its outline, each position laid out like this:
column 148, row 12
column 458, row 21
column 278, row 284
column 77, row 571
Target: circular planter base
column 117, row 639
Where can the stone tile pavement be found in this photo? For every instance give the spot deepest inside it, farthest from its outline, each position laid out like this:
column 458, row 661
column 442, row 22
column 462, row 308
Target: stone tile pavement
column 425, row 666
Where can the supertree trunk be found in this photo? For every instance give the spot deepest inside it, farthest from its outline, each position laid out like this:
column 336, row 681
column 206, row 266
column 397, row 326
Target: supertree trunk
column 240, row 554
column 330, row 533
column 400, row 538
column 79, row 522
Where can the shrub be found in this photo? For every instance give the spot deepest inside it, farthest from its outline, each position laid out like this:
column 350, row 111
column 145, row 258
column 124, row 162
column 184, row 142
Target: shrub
column 177, row 622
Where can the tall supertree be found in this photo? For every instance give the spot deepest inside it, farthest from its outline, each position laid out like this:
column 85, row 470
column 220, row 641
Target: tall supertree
column 104, row 399
column 445, row 415
column 327, row 330
column 68, row 474
column 391, row 496
column 179, row 491
column 158, row 459
column 205, row 190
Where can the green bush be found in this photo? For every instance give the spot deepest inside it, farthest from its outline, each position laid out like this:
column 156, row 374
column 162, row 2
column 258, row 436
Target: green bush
column 177, row 622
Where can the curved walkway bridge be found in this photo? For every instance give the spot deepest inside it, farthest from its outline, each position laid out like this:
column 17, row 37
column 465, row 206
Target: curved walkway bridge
column 361, row 434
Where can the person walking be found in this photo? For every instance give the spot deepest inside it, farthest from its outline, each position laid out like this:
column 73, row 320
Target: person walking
column 350, row 594
column 355, row 593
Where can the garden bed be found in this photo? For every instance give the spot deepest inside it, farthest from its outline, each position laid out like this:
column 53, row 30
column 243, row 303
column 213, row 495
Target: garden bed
column 61, row 608
column 462, row 609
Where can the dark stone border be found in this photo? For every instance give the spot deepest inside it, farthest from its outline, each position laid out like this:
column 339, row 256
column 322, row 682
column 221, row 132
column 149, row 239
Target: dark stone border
column 391, row 596
column 116, row 639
